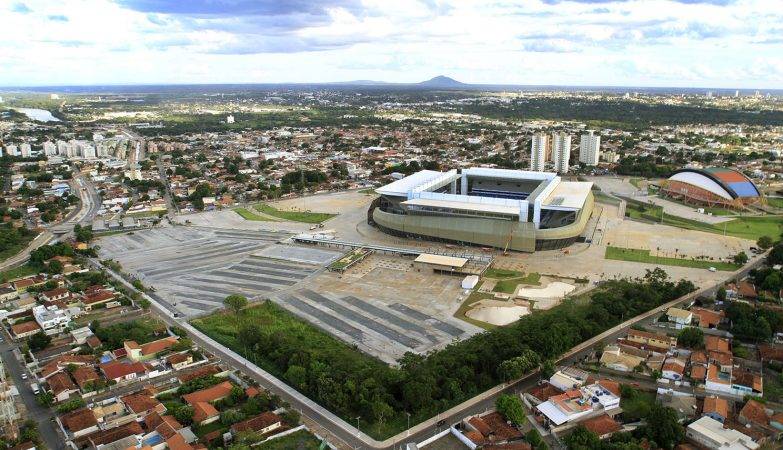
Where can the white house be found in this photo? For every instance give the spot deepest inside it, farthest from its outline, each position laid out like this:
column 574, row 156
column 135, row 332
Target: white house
column 680, row 317
column 711, row 434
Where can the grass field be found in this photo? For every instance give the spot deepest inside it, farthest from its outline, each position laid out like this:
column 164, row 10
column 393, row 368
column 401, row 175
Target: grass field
column 16, row 248
column 293, row 216
column 644, row 256
column 300, row 440
column 775, row 202
column 17, row 272
column 249, row 215
column 509, row 285
column 474, row 297
column 600, row 197
column 745, row 227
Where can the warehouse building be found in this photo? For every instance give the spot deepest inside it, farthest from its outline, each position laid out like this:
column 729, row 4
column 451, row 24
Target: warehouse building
column 506, row 209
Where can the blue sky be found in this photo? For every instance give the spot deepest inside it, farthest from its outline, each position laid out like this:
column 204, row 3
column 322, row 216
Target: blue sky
column 688, row 43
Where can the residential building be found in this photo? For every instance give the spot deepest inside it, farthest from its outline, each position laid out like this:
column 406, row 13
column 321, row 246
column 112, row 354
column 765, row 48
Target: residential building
column 80, row 422
column 710, row 433
column 603, row 426
column 147, row 351
column 590, row 148
column 673, row 368
column 52, row 319
column 261, row 424
column 575, row 404
column 568, row 378
column 679, row 317
column 614, row 358
column 120, row 371
column 561, row 151
column 645, row 338
column 61, row 386
column 539, row 150
column 716, row 408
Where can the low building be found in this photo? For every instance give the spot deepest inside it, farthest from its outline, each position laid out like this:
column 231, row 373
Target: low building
column 716, row 407
column 673, row 368
column 614, row 358
column 147, row 351
column 62, row 386
column 679, row 317
column 120, row 371
column 568, row 378
column 80, row 422
column 707, row 318
column 710, row 433
column 179, row 360
column 645, row 338
column 575, row 404
column 25, row 329
column 603, row 426
column 263, row 423
column 54, row 320
column 201, row 401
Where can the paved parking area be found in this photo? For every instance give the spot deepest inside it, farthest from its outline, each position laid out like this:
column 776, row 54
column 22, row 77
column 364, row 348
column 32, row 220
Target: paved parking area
column 194, row 269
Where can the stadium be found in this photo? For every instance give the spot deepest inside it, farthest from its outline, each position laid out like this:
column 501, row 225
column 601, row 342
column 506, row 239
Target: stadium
column 713, row 186
column 506, row 209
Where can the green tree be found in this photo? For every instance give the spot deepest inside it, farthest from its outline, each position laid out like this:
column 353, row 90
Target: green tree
column 691, row 337
column 582, row 439
column 184, row 415
column 144, row 303
column 514, row 368
column 720, row 295
column 38, row 341
column 44, row 399
column 235, row 302
column 54, row 267
column 764, row 242
column 664, row 427
column 740, row 258
column 82, row 234
column 511, row 408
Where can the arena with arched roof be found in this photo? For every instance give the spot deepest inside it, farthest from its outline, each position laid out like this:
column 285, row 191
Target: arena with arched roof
column 712, row 186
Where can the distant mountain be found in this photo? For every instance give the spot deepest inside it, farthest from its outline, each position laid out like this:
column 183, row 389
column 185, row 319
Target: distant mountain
column 442, row 81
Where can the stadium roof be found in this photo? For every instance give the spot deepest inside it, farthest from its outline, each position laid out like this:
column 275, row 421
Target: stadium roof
column 466, row 206
column 568, row 195
column 722, row 181
column 400, row 188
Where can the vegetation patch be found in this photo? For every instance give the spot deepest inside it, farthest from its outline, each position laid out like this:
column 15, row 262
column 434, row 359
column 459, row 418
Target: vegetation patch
column 472, row 299
column 299, row 440
column 644, row 256
column 294, row 216
column 249, row 215
column 18, row 272
column 509, row 285
column 352, row 384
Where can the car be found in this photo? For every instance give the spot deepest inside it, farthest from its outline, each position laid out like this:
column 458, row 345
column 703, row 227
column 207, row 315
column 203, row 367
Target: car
column 712, row 269
column 24, row 376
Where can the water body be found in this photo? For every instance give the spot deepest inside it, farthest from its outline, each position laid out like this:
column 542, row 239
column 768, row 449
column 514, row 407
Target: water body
column 40, row 115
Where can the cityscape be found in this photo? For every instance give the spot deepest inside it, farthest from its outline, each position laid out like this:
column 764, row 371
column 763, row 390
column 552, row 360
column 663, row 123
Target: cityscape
column 208, row 254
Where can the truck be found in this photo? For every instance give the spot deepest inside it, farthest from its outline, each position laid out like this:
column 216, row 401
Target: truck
column 34, row 387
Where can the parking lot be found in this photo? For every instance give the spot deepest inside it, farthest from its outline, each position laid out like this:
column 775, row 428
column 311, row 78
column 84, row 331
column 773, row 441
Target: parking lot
column 195, row 269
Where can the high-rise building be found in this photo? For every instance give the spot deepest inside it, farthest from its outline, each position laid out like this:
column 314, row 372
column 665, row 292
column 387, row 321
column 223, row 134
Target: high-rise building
column 589, row 148
column 538, row 152
column 11, row 150
column 49, row 148
column 561, row 151
column 25, row 150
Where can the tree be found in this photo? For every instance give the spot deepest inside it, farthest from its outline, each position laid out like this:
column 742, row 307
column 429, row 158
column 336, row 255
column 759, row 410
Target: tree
column 82, row 234
column 44, row 399
column 691, row 337
column 582, row 439
column 721, row 294
column 764, row 242
column 54, row 267
column 511, row 408
column 740, row 258
column 38, row 341
column 663, row 426
column 235, row 302
column 184, row 415
column 548, row 369
column 514, row 368
column 144, row 303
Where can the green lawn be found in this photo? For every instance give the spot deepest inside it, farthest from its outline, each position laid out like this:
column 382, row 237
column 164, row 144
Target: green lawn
column 13, row 250
column 644, row 256
column 509, row 285
column 17, row 272
column 300, row 440
column 502, row 273
column 775, row 202
column 474, row 297
column 600, row 197
column 635, row 181
column 249, row 215
column 293, row 216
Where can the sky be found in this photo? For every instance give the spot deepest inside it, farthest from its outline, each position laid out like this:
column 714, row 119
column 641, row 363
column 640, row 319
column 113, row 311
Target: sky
column 667, row 43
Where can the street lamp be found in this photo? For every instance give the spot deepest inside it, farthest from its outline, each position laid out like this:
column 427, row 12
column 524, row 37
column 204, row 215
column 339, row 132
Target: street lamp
column 409, row 423
column 357, row 426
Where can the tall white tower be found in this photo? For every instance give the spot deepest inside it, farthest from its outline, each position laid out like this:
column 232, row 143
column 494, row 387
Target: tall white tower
column 589, row 148
column 561, row 151
column 538, row 152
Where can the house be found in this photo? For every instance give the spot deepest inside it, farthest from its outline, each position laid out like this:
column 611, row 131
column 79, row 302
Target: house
column 754, row 412
column 568, row 378
column 61, row 386
column 147, row 351
column 262, row 424
column 541, row 393
column 747, row 290
column 716, row 408
column 120, row 371
column 673, row 368
column 54, row 320
column 86, row 378
column 707, row 318
column 55, row 294
column 615, row 358
column 603, row 426
column 25, row 329
column 575, row 404
column 7, row 292
column 203, row 371
column 647, row 339
column 105, row 437
column 61, row 362
column 179, row 360
column 201, row 401
column 710, row 433
column 679, row 317
column 685, row 405
column 96, row 298
column 79, row 422
column 142, row 403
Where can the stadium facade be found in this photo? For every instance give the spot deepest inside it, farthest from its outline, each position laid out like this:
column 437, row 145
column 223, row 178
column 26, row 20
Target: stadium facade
column 712, row 186
column 507, row 209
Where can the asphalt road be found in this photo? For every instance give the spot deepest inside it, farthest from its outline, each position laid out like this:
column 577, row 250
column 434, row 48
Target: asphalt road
column 43, row 416
column 354, row 438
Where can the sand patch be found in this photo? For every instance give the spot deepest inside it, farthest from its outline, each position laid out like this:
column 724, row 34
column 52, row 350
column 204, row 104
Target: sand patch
column 497, row 315
column 556, row 289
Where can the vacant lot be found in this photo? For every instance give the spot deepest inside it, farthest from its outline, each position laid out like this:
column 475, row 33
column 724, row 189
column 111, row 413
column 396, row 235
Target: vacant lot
column 249, row 215
column 293, row 216
column 300, row 440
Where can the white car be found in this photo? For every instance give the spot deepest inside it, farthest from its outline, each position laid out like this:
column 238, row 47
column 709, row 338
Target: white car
column 24, row 376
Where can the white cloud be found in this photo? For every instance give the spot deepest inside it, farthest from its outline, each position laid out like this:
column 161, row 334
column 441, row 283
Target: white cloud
column 637, row 42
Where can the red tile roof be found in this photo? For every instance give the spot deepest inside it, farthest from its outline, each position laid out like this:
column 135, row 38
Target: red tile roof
column 716, row 405
column 140, row 402
column 177, row 442
column 198, row 373
column 717, row 344
column 79, row 420
column 116, row 369
column 257, row 423
column 602, row 425
column 209, row 394
column 203, row 411
column 544, row 391
column 754, row 412
column 60, row 382
column 25, row 327
column 480, row 426
column 115, row 434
